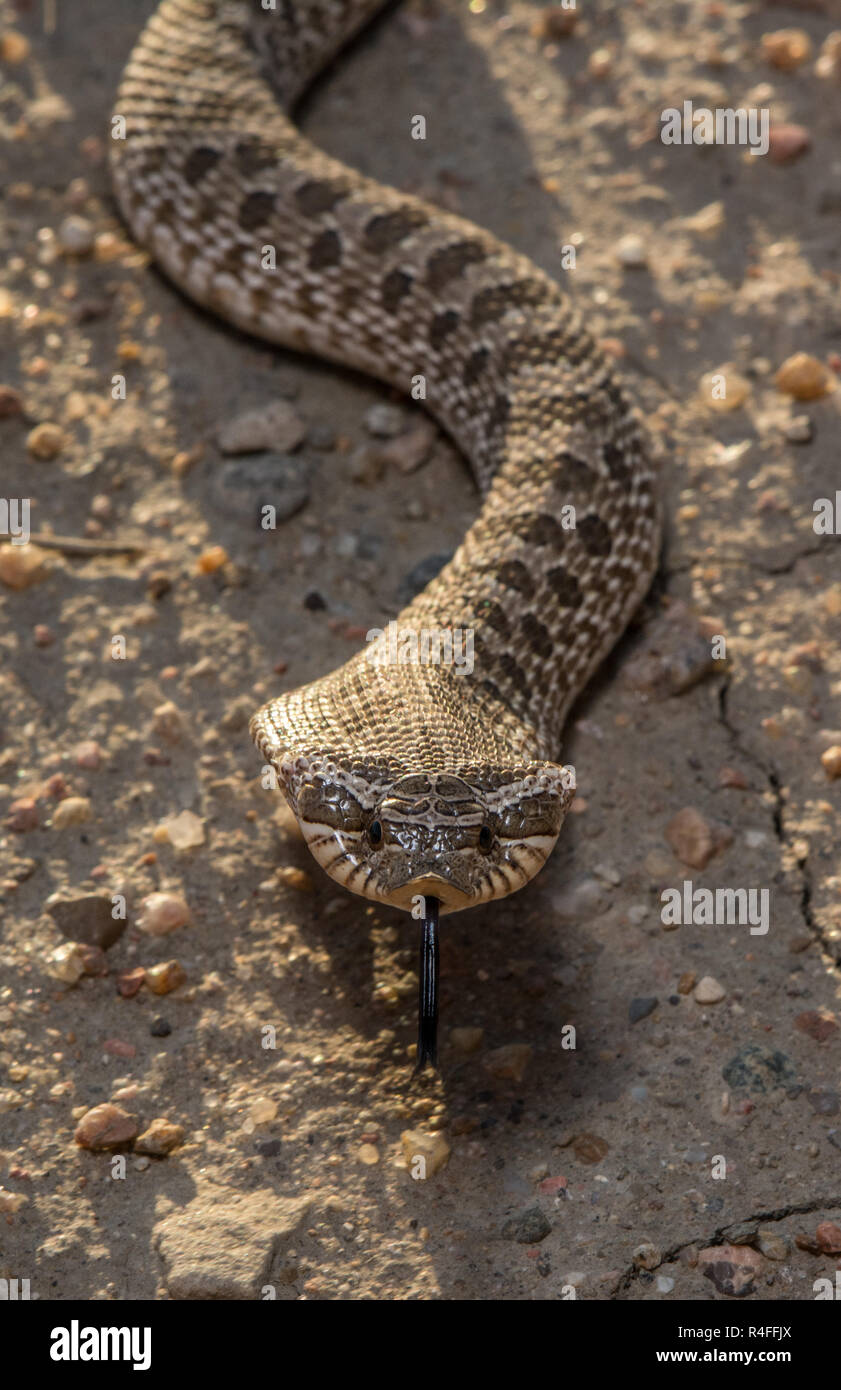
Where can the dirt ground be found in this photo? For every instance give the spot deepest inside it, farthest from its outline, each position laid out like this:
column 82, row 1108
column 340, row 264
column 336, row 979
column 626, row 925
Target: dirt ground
column 606, row 1170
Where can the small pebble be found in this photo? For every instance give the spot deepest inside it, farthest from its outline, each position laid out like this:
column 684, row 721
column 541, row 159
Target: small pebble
column 527, row 1227
column 74, row 810
column 159, row 1139
column 183, row 831
column 65, row 963
column 105, row 1127
column 641, row 1007
column 786, row 143
column 160, row 1028
column 709, row 991
column 631, row 252
column 164, row 978
column 804, row 377
column 369, row 1154
column 88, row 756
column 798, row 430
column 786, row 49
column 46, row 441
column 771, row 1244
column 76, row 235
column 248, row 485
column 86, row 917
column 276, row 426
column 22, row 815
column 21, row 565
column 297, row 879
column 831, row 762
column 724, row 389
column 433, row 1149
column 694, row 839
column 161, row 913
column 646, row 1256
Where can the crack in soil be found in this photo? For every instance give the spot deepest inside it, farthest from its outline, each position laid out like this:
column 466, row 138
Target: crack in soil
column 826, row 1204
column 830, row 948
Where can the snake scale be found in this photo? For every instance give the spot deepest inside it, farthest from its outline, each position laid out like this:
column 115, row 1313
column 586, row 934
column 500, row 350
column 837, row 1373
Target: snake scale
column 413, row 782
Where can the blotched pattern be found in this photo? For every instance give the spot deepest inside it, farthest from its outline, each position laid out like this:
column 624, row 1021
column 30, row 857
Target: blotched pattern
column 212, row 172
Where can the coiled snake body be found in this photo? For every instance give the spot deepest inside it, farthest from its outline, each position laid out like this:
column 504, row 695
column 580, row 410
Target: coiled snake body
column 409, row 781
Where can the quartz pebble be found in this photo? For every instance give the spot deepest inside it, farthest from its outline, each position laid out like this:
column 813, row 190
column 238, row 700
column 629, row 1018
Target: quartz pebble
column 76, row 235
column 164, row 978
column 709, row 991
column 162, row 913
column 425, row 1154
column 45, row 441
column 159, row 1139
column 831, row 762
column 631, row 252
column 105, row 1127
column 65, row 963
column 786, row 49
column 73, row 810
column 184, row 831
column 803, row 377
column 21, row 565
column 724, row 389
column 798, row 430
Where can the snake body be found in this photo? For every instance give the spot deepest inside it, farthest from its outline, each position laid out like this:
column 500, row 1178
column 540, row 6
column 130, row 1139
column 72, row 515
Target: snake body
column 407, row 778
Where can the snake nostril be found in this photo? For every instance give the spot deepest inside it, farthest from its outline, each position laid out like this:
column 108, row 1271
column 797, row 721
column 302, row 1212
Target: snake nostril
column 375, row 832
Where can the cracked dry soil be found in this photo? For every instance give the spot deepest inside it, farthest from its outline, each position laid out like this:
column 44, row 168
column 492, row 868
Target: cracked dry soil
column 291, row 1172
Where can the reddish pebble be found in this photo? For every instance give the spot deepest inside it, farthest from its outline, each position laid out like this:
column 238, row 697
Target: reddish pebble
column 23, row 815
column 42, row 635
column 105, row 1127
column 117, row 1048
column 88, row 755
column 93, row 958
column 551, row 1185
column 786, row 142
column 56, row 786
column 828, row 1237
column 129, row 982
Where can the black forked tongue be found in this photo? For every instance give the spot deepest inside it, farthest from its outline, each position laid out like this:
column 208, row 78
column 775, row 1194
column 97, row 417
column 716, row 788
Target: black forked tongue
column 428, row 988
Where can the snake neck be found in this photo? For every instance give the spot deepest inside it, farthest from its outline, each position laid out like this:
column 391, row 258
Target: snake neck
column 256, row 224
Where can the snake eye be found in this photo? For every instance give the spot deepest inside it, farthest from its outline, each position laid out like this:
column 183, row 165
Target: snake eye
column 485, row 837
column 375, row 832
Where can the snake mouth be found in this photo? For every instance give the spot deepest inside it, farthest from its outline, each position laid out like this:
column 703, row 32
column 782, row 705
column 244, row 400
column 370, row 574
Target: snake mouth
column 430, row 885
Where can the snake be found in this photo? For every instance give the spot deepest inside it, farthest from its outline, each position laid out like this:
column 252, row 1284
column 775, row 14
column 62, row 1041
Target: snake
column 417, row 781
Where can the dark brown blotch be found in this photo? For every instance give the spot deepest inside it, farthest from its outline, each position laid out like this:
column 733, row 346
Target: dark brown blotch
column 317, row 196
column 594, row 535
column 396, row 286
column 536, row 636
column 449, row 261
column 325, row 251
column 494, row 301
column 514, row 575
column 388, row 229
column 256, row 209
column 475, row 365
column 199, row 162
column 442, row 326
column 564, row 586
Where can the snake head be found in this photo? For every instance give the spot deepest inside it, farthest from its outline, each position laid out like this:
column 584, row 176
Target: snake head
column 463, row 837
